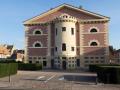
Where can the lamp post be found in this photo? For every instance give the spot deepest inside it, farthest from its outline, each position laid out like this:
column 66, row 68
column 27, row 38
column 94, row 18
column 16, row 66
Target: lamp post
column 9, row 71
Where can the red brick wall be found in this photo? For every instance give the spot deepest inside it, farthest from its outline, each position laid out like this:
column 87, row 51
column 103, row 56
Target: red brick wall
column 94, row 51
column 37, row 51
column 100, row 37
column 42, row 28
column 41, row 38
column 100, row 26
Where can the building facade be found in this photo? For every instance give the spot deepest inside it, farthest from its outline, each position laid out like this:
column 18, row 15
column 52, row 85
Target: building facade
column 67, row 37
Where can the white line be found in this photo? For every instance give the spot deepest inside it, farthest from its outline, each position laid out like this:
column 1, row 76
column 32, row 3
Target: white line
column 40, row 77
column 50, row 78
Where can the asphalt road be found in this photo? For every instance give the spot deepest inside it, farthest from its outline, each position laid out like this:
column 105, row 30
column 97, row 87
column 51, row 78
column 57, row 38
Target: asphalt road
column 53, row 80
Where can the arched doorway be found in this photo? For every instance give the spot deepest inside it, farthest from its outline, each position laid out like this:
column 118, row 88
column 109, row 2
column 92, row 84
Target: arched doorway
column 64, row 65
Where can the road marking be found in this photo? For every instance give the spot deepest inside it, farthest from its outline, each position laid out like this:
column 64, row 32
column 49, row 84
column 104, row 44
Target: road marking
column 40, row 77
column 50, row 78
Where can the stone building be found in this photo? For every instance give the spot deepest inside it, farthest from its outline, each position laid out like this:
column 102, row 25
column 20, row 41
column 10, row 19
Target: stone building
column 67, row 37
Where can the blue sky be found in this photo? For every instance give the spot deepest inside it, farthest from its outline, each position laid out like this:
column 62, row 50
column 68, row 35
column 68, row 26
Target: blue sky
column 14, row 12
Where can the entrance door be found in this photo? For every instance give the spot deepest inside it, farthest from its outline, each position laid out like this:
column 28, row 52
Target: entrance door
column 64, row 65
column 44, row 63
column 52, row 63
column 78, row 62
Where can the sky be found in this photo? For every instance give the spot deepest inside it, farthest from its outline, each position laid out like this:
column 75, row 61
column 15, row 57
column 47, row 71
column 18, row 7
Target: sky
column 14, row 12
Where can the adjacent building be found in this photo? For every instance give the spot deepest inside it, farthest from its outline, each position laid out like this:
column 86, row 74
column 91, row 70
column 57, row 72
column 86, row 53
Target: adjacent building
column 18, row 55
column 67, row 37
column 6, row 51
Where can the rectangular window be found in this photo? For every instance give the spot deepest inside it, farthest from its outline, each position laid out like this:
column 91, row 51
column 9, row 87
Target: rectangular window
column 92, row 57
column 72, row 48
column 102, row 58
column 72, row 31
column 37, row 61
column 35, row 58
column 86, row 57
column 63, row 57
column 63, row 29
column 56, row 31
column 96, row 57
column 30, row 58
column 63, row 47
column 39, row 57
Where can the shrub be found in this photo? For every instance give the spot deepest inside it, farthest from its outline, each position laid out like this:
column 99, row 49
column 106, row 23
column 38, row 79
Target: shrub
column 95, row 67
column 29, row 66
column 109, row 74
column 7, row 69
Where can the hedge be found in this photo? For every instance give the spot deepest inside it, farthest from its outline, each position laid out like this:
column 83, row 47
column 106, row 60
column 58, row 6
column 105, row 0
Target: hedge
column 109, row 74
column 7, row 69
column 29, row 66
column 94, row 67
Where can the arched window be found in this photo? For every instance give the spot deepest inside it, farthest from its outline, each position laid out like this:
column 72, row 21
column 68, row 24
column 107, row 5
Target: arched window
column 93, row 44
column 37, row 44
column 93, row 30
column 37, row 32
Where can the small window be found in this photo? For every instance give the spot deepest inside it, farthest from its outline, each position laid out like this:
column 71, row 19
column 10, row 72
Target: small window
column 63, row 29
column 97, row 61
column 93, row 30
column 37, row 32
column 86, row 57
column 72, row 48
column 63, row 47
column 34, row 57
column 30, row 61
column 92, row 57
column 37, row 45
column 30, row 57
column 63, row 57
column 86, row 61
column 44, row 57
column 37, row 61
column 56, row 31
column 96, row 57
column 39, row 57
column 102, row 58
column 93, row 44
column 72, row 31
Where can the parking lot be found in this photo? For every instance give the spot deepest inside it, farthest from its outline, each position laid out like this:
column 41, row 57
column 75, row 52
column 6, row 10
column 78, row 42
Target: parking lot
column 54, row 80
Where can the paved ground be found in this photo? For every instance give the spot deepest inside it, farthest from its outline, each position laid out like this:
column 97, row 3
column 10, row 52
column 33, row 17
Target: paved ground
column 54, row 80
